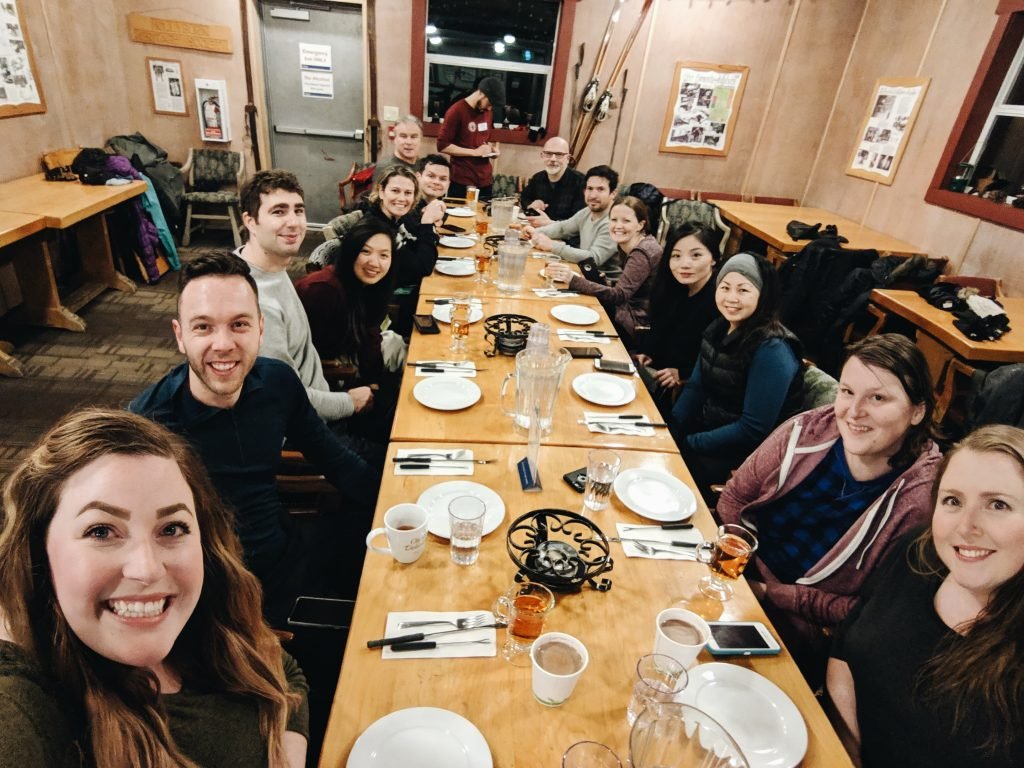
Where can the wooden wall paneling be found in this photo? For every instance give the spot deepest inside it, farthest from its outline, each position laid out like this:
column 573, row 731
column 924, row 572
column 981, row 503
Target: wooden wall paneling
column 995, row 252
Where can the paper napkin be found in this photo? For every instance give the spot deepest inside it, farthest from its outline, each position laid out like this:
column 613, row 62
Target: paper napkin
column 442, row 651
column 553, row 293
column 466, row 369
column 650, row 535
column 607, row 424
column 448, row 468
column 568, row 334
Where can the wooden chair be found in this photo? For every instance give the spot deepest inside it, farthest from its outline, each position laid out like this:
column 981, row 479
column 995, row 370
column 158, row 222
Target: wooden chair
column 949, row 386
column 991, row 287
column 710, row 196
column 677, row 212
column 303, row 490
column 673, row 193
column 775, row 200
column 358, row 181
column 214, row 177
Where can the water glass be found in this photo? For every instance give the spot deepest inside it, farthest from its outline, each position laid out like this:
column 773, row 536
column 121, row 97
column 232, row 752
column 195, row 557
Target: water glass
column 658, row 678
column 466, row 517
column 590, row 754
column 459, row 322
column 726, row 557
column 602, row 469
column 549, row 281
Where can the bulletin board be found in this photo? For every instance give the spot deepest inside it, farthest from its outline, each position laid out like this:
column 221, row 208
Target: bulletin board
column 20, row 92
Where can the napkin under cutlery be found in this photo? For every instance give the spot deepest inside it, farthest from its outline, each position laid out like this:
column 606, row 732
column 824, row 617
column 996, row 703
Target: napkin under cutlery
column 461, row 463
column 443, row 650
column 466, row 369
column 608, row 424
column 567, row 334
column 666, row 552
column 554, row 293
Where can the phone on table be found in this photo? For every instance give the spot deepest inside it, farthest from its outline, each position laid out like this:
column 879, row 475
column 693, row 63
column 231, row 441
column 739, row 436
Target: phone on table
column 325, row 612
column 577, row 479
column 583, row 352
column 614, row 366
column 425, row 324
column 741, row 638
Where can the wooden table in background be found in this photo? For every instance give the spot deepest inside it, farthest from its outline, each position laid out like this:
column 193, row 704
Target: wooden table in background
column 485, row 419
column 80, row 208
column 616, row 626
column 768, row 223
column 20, row 249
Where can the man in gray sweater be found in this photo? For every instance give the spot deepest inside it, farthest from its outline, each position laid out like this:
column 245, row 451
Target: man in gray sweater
column 590, row 224
column 274, row 215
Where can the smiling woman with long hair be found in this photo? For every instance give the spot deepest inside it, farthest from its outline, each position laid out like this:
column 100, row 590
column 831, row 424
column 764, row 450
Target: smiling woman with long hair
column 132, row 633
column 927, row 669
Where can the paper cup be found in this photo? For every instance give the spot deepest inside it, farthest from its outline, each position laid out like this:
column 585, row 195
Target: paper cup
column 558, row 661
column 683, row 650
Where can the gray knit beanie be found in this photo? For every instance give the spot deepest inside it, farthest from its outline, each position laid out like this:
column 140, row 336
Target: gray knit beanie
column 746, row 265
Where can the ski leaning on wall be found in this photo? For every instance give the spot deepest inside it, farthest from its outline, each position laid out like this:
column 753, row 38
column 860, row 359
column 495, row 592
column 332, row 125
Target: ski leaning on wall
column 598, row 111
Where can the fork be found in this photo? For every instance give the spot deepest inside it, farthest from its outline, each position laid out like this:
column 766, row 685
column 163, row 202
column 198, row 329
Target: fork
column 451, row 455
column 467, row 622
column 654, row 550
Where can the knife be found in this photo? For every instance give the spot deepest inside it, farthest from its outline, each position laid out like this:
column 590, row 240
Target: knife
column 663, row 526
column 617, row 423
column 427, row 645
column 421, row 635
column 688, row 544
column 448, row 369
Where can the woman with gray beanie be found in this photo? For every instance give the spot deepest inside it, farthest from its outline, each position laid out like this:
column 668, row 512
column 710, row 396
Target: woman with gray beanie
column 747, row 379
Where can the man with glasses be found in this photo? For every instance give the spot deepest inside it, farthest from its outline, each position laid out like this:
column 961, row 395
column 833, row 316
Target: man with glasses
column 557, row 191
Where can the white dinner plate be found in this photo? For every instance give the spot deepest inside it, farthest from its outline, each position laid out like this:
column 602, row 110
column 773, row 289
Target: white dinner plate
column 604, row 389
column 461, row 211
column 446, row 393
column 457, row 268
column 443, row 312
column 457, row 241
column 766, row 725
column 437, row 498
column 575, row 314
column 425, row 737
column 655, row 495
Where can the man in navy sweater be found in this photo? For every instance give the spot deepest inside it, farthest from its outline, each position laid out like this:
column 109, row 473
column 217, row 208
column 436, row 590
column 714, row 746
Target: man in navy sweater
column 236, row 410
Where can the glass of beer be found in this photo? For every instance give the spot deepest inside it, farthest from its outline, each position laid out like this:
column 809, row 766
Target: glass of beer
column 482, row 223
column 524, row 606
column 726, row 557
column 460, row 322
column 483, row 265
column 472, row 197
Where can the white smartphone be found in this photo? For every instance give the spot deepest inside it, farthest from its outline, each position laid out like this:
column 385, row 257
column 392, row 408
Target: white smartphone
column 614, row 366
column 741, row 638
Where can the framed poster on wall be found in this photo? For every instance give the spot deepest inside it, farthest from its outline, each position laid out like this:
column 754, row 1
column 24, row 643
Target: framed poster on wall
column 212, row 102
column 167, row 86
column 886, row 127
column 20, row 92
column 703, row 108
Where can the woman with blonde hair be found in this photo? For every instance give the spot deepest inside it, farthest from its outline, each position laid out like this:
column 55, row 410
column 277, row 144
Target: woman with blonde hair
column 926, row 671
column 131, row 632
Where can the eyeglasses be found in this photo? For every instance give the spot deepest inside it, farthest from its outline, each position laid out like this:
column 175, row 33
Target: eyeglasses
column 553, row 155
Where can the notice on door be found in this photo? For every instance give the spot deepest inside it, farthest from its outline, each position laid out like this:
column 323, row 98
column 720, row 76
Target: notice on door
column 318, row 85
column 316, row 58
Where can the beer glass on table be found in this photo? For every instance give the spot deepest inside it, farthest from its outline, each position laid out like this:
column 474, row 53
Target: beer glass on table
column 726, row 557
column 483, row 264
column 460, row 322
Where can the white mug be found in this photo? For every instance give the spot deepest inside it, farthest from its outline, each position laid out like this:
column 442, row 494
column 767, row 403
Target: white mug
column 683, row 652
column 405, row 525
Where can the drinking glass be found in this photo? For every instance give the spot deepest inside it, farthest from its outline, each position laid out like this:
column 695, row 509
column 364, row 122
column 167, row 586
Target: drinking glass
column 602, row 469
column 590, row 754
column 472, row 197
column 460, row 322
column 466, row 517
column 658, row 678
column 672, row 735
column 726, row 557
column 524, row 606
column 482, row 223
column 549, row 281
column 483, row 264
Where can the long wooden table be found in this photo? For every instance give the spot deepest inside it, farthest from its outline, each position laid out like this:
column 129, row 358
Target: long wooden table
column 485, row 420
column 768, row 223
column 16, row 234
column 616, row 626
column 80, row 208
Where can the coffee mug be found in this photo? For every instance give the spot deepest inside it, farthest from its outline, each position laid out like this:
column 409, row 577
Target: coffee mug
column 680, row 634
column 405, row 525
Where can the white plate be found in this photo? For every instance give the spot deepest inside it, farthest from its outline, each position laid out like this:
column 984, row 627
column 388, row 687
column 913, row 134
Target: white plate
column 446, row 393
column 426, row 737
column 455, row 241
column 766, row 725
column 461, row 211
column 458, row 268
column 655, row 495
column 443, row 312
column 604, row 389
column 437, row 498
column 575, row 314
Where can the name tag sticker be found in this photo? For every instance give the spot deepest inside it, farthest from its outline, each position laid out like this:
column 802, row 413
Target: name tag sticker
column 481, row 126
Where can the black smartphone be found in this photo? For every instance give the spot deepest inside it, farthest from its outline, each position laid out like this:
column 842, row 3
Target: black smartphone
column 453, row 228
column 321, row 612
column 425, row 324
column 614, row 366
column 577, row 479
column 533, row 212
column 583, row 352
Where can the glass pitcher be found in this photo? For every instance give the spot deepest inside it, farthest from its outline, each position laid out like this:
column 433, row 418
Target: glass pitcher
column 538, row 376
column 511, row 265
column 672, row 735
column 502, row 212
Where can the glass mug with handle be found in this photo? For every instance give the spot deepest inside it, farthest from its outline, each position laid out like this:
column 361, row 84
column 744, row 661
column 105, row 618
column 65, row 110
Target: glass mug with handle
column 727, row 556
column 524, row 606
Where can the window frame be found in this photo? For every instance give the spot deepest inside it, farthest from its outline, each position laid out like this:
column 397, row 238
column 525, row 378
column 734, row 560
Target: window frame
column 556, row 94
column 975, row 115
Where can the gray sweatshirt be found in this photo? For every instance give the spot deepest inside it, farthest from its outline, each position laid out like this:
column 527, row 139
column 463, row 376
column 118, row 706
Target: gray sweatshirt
column 595, row 242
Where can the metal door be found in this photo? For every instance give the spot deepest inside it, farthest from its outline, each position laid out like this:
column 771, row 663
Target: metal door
column 313, row 68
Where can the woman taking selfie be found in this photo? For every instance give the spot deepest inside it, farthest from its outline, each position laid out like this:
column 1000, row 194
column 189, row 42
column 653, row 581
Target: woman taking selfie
column 831, row 491
column 640, row 253
column 746, row 379
column 132, row 633
column 927, row 671
column 682, row 307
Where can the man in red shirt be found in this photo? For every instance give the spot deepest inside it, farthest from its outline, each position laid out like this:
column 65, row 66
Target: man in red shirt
column 465, row 137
